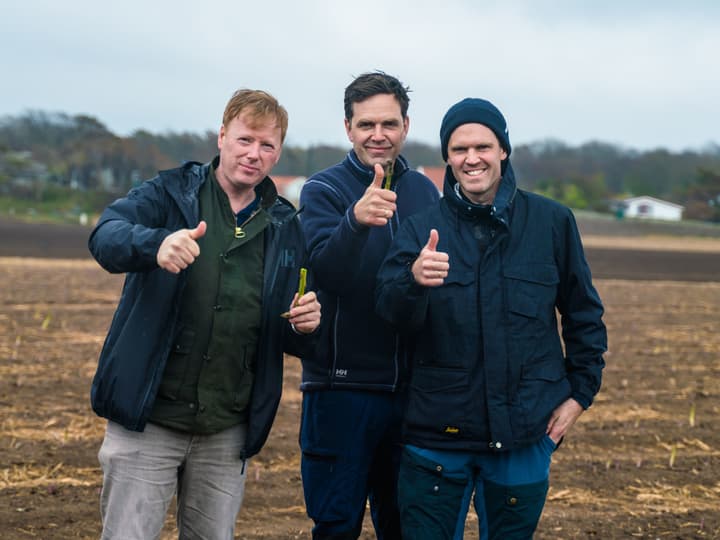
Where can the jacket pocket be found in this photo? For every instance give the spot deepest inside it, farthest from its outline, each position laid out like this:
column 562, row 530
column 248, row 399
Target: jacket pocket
column 245, row 377
column 542, row 387
column 177, row 364
column 452, row 299
column 532, row 290
column 452, row 330
column 437, row 402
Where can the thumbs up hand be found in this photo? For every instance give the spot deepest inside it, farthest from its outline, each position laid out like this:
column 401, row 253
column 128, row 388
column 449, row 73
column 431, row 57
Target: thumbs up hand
column 180, row 249
column 377, row 205
column 431, row 267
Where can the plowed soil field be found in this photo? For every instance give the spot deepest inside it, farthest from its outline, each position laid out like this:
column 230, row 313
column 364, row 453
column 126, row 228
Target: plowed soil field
column 643, row 462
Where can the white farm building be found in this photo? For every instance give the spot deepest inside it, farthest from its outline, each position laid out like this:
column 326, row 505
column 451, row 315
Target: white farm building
column 652, row 208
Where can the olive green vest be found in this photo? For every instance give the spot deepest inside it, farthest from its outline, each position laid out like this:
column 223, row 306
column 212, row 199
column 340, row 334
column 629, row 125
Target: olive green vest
column 208, row 378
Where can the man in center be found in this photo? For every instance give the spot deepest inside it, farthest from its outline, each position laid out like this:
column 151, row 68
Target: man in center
column 353, row 382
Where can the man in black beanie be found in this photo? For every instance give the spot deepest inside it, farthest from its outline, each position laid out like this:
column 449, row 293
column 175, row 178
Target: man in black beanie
column 477, row 280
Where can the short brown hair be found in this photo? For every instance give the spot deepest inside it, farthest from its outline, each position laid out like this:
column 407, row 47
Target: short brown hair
column 371, row 84
column 258, row 106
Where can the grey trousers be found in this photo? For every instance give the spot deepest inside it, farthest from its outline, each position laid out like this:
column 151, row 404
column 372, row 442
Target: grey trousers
column 143, row 470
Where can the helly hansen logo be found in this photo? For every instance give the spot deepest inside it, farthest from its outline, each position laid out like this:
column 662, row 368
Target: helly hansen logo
column 342, row 373
column 287, row 258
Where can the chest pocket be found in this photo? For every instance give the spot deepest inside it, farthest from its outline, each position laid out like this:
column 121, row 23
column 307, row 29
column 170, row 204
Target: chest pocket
column 453, row 329
column 456, row 299
column 531, row 292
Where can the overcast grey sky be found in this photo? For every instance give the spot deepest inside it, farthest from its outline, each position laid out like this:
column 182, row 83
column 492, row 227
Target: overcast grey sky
column 642, row 74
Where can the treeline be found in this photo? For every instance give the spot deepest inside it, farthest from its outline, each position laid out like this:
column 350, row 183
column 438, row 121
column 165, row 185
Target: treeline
column 43, row 154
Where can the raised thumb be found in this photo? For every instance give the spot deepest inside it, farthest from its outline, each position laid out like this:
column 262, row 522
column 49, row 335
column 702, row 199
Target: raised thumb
column 433, row 240
column 199, row 231
column 379, row 175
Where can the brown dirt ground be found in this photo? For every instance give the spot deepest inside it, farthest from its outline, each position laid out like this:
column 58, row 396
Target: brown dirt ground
column 643, row 462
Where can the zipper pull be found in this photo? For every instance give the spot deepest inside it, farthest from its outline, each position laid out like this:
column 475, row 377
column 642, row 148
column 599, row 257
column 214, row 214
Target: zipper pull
column 239, row 233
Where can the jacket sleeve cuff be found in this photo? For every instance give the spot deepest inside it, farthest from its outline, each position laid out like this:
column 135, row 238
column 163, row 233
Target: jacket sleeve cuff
column 582, row 399
column 354, row 224
column 299, row 333
column 414, row 288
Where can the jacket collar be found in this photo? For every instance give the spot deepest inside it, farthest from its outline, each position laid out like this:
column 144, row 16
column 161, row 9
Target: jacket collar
column 184, row 183
column 366, row 174
column 499, row 209
column 266, row 189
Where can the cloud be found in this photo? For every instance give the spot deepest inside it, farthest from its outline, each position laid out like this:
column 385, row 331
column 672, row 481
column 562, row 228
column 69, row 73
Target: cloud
column 641, row 74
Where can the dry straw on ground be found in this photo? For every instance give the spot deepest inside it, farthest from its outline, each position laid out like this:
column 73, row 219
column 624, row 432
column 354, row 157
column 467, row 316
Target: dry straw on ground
column 643, row 462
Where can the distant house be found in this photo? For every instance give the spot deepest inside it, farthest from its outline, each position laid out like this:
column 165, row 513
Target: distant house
column 652, row 208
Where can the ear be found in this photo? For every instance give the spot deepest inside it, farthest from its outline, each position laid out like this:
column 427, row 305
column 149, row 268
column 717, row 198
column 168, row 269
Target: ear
column 503, row 154
column 406, row 126
column 221, row 136
column 348, row 125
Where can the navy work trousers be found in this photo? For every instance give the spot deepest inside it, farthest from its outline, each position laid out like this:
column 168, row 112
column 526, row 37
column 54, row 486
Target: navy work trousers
column 350, row 443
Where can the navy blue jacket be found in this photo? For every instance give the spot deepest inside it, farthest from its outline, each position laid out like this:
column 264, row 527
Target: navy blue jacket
column 126, row 239
column 356, row 348
column 489, row 366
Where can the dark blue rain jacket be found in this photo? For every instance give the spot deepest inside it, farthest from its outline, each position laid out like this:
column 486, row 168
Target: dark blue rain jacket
column 489, row 365
column 126, row 240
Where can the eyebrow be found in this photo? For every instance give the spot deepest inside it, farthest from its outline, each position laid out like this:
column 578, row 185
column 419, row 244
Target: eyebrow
column 460, row 146
column 390, row 122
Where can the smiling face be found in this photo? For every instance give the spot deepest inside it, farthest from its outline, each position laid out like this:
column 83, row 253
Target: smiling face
column 377, row 129
column 249, row 149
column 475, row 157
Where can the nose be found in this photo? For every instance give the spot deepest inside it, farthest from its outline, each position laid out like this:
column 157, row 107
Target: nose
column 253, row 151
column 473, row 156
column 378, row 132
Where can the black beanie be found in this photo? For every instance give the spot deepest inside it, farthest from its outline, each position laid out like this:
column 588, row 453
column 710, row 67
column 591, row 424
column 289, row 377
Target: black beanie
column 473, row 111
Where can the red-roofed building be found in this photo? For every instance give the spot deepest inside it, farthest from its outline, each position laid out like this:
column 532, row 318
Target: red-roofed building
column 435, row 174
column 289, row 186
